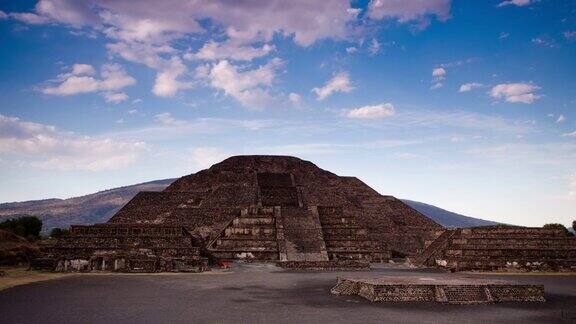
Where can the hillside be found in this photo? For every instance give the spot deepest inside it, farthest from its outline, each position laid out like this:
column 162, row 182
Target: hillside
column 447, row 218
column 89, row 209
column 100, row 206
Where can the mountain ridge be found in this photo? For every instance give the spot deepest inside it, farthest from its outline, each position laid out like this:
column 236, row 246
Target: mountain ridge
column 100, row 206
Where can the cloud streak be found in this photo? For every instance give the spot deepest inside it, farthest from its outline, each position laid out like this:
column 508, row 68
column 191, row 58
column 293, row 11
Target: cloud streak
column 515, row 92
column 46, row 147
column 81, row 79
column 371, row 112
column 339, row 83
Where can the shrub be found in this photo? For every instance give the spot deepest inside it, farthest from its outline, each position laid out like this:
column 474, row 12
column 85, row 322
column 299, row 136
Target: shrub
column 26, row 226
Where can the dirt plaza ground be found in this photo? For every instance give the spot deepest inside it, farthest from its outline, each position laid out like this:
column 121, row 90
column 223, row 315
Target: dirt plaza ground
column 262, row 293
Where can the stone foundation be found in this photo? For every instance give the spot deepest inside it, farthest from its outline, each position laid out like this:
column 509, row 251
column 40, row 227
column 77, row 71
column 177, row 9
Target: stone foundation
column 123, row 248
column 333, row 265
column 449, row 291
column 501, row 248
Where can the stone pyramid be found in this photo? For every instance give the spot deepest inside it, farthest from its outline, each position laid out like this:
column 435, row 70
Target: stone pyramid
column 282, row 208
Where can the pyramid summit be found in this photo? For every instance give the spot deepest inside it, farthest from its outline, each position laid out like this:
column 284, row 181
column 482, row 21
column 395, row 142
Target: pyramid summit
column 258, row 207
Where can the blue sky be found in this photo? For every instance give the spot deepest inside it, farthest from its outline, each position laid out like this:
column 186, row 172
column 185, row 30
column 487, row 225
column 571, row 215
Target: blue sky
column 468, row 105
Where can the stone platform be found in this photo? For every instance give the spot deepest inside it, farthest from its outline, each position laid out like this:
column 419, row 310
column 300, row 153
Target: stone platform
column 449, row 291
column 500, row 248
column 331, row 265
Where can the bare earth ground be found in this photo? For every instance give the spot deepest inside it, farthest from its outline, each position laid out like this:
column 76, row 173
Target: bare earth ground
column 12, row 277
column 261, row 294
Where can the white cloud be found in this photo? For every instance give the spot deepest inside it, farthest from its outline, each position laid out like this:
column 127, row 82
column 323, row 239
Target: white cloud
column 83, row 69
column 371, row 112
column 47, row 147
column 436, row 85
column 561, row 119
column 142, row 53
column 503, row 35
column 351, row 50
column 410, row 10
column 294, row 98
column 3, row 15
column 81, row 80
column 149, row 31
column 75, row 13
column 339, row 83
column 205, row 157
column 374, row 47
column 168, row 83
column 515, row 92
column 212, row 51
column 469, row 86
column 117, row 97
column 154, row 33
column 153, row 21
column 570, row 34
column 167, row 119
column 519, row 3
column 132, row 111
column 544, row 41
column 30, row 18
column 249, row 87
column 438, row 75
column 572, row 134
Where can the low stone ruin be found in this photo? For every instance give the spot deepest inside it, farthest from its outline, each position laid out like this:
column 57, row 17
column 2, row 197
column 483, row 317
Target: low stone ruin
column 124, row 248
column 330, row 265
column 448, row 291
column 500, row 248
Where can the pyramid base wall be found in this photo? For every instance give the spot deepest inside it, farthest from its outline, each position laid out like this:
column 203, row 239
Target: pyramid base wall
column 448, row 292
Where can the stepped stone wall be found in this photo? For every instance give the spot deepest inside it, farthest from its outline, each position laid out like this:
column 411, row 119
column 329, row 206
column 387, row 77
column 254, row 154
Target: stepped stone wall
column 272, row 208
column 501, row 248
column 448, row 291
column 124, row 248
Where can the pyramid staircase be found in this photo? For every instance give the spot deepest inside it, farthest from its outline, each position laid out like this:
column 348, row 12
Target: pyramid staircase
column 281, row 228
column 345, row 239
column 250, row 236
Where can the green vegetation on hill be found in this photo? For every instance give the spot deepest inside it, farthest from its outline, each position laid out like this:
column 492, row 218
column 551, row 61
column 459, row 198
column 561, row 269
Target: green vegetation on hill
column 28, row 227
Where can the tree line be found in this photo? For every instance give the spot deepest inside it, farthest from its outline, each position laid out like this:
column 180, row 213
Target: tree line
column 29, row 227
